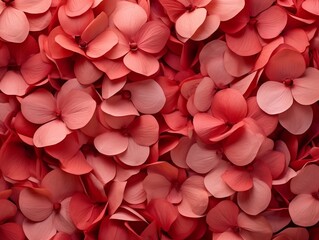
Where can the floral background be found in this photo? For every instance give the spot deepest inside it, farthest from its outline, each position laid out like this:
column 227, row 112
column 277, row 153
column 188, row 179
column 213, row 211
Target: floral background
column 159, row 119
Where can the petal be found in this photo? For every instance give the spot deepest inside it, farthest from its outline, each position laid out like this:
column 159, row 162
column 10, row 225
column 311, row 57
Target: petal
column 129, row 18
column 134, row 191
column 222, row 216
column 62, row 220
column 156, row 181
column 209, row 26
column 305, row 181
column 112, row 230
column 255, row 200
column 311, row 6
column 244, row 43
column 111, row 143
column 39, row 107
column 76, row 165
column 50, row 133
column 12, row 83
column 188, row 23
column 102, row 44
column 14, row 25
column 201, row 160
column 68, row 43
column 297, row 119
column 305, row 89
column 85, row 71
column 75, row 8
column 304, row 210
column 174, row 9
column 114, row 69
column 271, row 22
column 35, row 205
column 115, row 196
column 203, row 94
column 118, row 106
column 147, row 96
column 238, row 66
column 225, row 9
column 238, row 179
column 142, row 63
column 285, row 64
column 8, row 209
column 135, row 154
column 274, row 97
column 32, row 6
column 297, row 38
column 111, row 87
column 77, row 109
column 144, row 130
column 11, row 231
column 31, row 229
column 103, row 167
column 95, row 28
column 152, row 37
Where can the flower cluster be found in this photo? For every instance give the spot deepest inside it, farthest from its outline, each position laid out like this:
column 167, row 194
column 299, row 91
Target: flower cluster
column 159, row 119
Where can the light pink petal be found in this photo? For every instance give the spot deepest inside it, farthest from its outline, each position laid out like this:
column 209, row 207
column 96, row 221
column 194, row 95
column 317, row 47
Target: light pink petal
column 179, row 153
column 274, row 97
column 114, row 69
column 39, row 107
column 305, row 89
column 195, row 197
column 12, row 83
column 225, row 9
column 129, row 18
column 68, row 43
column 75, row 8
column 76, row 165
column 244, row 43
column 201, row 159
column 35, row 69
column 236, row 65
column 238, row 179
column 223, row 216
column 34, row 205
column 152, row 37
column 147, row 96
column 311, row 6
column 142, row 63
column 95, row 28
column 121, row 48
column 164, row 212
column 242, row 146
column 255, row 200
column 76, row 109
column 297, row 119
column 209, row 26
column 188, row 23
column 50, row 133
column 203, row 94
column 115, row 196
column 31, row 229
column 271, row 22
column 111, row 87
column 111, row 143
column 14, row 25
column 144, row 130
column 304, row 210
column 62, row 220
column 39, row 22
column 118, row 106
column 102, row 44
column 285, row 64
column 159, row 182
column 134, row 191
column 305, row 181
column 103, row 167
column 135, row 154
column 85, row 71
column 32, row 6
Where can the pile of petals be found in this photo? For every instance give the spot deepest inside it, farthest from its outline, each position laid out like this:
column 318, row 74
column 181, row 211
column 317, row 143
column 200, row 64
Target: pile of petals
column 159, row 119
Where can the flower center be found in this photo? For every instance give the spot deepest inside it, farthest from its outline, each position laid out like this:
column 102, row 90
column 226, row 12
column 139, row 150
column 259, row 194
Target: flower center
column 316, row 195
column 13, row 67
column 7, row 2
column 126, row 94
column 288, row 82
column 133, row 46
column 56, row 207
column 124, row 131
column 82, row 44
column 190, row 8
column 249, row 168
column 252, row 21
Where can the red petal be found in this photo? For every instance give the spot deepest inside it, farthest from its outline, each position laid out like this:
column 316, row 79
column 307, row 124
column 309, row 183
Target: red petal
column 311, row 6
column 209, row 26
column 160, row 183
column 226, row 9
column 142, row 63
column 85, row 71
column 238, row 179
column 11, row 231
column 305, row 181
column 118, row 107
column 75, row 8
column 111, row 143
column 115, row 197
column 274, row 97
column 135, row 154
column 134, row 191
column 144, row 130
column 174, row 9
column 114, row 69
column 111, row 87
column 76, row 165
column 297, row 38
column 14, row 25
column 111, row 229
column 12, row 83
column 8, row 209
column 102, row 44
column 103, row 167
column 32, row 6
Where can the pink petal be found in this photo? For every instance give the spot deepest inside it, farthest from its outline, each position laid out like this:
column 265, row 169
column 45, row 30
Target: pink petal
column 112, row 230
column 32, row 6
column 226, row 9
column 121, row 48
column 129, row 26
column 311, row 6
column 255, row 200
column 209, row 26
column 116, row 194
column 118, row 107
column 111, row 143
column 271, row 22
column 274, row 97
column 135, row 154
column 285, row 64
column 39, row 22
column 304, row 210
column 114, row 69
column 147, row 96
column 76, row 165
column 203, row 94
column 256, row 7
column 85, row 71
column 179, row 153
column 238, row 179
column 305, row 181
column 77, row 109
column 236, row 65
column 156, row 181
column 152, row 37
column 31, row 229
column 222, row 216
column 8, row 209
column 244, row 43
column 12, row 83
column 297, row 38
column 50, row 133
column 305, row 89
column 144, row 130
column 134, row 191
column 11, row 231
column 14, row 25
column 68, row 43
column 62, row 220
column 102, row 44
column 111, row 87
column 201, row 160
column 174, row 9
column 103, row 167
column 75, row 8
column 95, row 28
column 35, row 205
column 142, row 63
column 297, row 119
column 188, row 23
